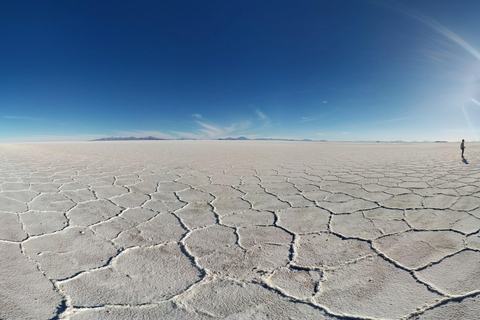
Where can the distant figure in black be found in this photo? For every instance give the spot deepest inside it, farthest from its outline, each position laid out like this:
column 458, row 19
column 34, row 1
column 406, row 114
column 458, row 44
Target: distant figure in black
column 462, row 146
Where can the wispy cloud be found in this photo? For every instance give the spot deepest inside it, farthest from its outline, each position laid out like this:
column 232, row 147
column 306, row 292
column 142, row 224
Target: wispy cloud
column 203, row 129
column 305, row 119
column 212, row 131
column 261, row 115
column 208, row 130
column 215, row 132
column 240, row 126
column 23, row 118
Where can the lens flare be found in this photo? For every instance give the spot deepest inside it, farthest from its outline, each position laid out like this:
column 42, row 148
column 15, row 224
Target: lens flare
column 469, row 123
column 436, row 26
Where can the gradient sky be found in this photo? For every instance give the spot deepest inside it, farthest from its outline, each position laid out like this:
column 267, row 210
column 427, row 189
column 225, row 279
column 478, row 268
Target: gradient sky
column 335, row 70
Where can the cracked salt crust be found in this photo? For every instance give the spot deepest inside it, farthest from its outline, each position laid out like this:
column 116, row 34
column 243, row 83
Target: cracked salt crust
column 243, row 230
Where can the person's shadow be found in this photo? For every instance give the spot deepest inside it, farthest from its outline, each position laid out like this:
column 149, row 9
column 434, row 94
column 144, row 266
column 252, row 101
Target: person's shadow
column 465, row 161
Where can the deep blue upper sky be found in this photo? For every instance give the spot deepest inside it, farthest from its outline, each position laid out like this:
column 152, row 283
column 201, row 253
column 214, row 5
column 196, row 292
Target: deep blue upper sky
column 320, row 69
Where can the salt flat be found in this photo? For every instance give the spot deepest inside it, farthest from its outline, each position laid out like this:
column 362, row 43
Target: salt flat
column 239, row 230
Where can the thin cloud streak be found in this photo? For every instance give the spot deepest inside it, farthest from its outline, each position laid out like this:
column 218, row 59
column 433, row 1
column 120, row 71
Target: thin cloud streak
column 260, row 114
column 24, row 118
column 305, row 119
column 209, row 131
column 209, row 128
column 263, row 117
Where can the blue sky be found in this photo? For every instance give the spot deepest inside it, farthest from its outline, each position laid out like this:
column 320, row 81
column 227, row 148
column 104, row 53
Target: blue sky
column 335, row 70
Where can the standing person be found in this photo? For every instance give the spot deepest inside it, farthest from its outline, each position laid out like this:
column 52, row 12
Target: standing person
column 462, row 146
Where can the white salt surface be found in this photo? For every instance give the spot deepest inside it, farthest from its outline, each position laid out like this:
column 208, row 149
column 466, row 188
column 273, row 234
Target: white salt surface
column 239, row 230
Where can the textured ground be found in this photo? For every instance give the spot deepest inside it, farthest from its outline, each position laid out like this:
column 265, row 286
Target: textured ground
column 239, row 230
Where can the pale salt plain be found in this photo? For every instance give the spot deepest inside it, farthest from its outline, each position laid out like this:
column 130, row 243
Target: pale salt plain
column 239, row 230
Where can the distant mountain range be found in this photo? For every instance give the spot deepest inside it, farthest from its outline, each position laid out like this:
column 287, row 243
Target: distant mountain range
column 229, row 138
column 268, row 139
column 256, row 139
